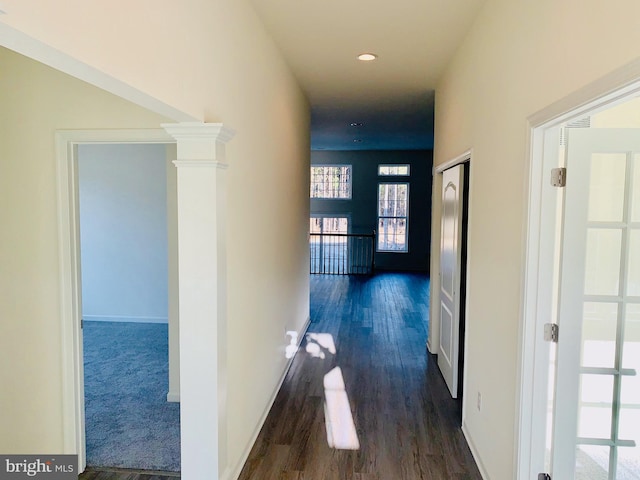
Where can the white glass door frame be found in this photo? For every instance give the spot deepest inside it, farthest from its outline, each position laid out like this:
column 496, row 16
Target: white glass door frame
column 590, row 382
column 539, row 256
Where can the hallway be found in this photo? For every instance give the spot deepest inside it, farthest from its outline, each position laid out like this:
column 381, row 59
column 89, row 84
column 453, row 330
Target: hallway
column 407, row 425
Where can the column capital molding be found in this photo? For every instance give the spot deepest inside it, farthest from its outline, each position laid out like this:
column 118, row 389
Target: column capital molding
column 194, row 131
column 198, row 141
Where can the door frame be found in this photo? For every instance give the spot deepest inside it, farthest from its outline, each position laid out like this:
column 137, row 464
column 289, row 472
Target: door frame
column 533, row 367
column 433, row 339
column 73, row 414
column 451, row 301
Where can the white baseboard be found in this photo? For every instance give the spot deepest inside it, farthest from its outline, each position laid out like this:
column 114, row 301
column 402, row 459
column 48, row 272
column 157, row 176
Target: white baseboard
column 474, row 453
column 254, row 437
column 123, row 319
column 173, row 397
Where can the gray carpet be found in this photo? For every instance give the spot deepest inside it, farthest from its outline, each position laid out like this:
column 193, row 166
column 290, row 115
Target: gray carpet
column 129, row 423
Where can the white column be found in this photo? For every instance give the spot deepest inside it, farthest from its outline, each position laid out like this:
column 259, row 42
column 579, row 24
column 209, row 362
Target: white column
column 202, row 297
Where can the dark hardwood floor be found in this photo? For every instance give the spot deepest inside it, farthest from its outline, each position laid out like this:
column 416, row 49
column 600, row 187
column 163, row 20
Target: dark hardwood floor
column 407, row 425
column 406, row 422
column 124, row 474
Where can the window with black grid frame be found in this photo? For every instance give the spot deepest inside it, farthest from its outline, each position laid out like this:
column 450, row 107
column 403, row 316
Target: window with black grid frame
column 393, row 217
column 331, row 181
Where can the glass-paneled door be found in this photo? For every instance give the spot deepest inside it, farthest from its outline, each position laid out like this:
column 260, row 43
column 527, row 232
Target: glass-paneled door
column 596, row 426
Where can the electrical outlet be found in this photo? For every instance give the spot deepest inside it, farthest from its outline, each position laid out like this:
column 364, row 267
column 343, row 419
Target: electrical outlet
column 479, row 401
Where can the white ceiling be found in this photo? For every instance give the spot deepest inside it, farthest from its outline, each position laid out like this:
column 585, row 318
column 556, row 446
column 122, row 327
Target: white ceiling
column 392, row 96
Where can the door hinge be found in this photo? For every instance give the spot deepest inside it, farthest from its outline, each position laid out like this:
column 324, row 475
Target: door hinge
column 559, row 177
column 81, row 323
column 544, row 476
column 551, row 332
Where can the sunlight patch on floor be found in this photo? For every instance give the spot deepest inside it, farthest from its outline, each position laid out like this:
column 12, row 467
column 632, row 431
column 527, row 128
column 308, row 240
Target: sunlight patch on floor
column 341, row 430
column 316, row 342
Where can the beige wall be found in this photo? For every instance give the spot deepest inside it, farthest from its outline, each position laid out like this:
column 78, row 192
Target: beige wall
column 518, row 58
column 209, row 58
column 35, row 101
column 213, row 60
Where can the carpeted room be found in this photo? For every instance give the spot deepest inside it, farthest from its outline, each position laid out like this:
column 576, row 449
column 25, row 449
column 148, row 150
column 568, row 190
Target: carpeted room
column 124, row 203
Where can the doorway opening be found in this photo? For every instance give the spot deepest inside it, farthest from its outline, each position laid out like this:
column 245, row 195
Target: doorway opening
column 74, row 416
column 463, row 285
column 580, row 396
column 448, row 325
column 124, row 237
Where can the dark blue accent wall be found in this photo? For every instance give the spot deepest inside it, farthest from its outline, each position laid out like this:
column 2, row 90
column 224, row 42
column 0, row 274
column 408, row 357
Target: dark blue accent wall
column 362, row 208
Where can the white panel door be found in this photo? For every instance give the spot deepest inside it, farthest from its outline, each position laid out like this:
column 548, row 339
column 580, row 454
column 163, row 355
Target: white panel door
column 450, row 275
column 596, row 432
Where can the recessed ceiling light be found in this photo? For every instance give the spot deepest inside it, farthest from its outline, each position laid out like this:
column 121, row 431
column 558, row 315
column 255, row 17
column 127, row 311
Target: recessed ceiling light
column 357, row 140
column 367, row 57
column 356, row 124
